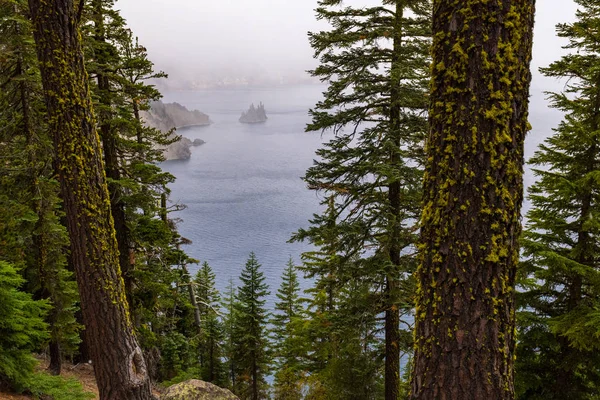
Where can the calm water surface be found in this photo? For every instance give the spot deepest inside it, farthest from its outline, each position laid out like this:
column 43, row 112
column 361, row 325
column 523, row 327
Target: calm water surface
column 243, row 189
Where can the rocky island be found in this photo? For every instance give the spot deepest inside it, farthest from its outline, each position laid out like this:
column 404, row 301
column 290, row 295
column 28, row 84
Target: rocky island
column 167, row 116
column 254, row 115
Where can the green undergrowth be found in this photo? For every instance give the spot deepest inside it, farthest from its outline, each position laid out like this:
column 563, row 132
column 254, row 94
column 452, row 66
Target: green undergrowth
column 44, row 386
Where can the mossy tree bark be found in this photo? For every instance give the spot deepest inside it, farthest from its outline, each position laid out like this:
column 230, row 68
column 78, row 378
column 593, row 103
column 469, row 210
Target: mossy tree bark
column 118, row 362
column 109, row 138
column 465, row 317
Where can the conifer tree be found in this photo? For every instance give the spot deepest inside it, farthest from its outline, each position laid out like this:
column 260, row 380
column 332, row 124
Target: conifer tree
column 557, row 355
column 251, row 351
column 473, row 190
column 288, row 378
column 212, row 333
column 22, row 328
column 27, row 181
column 342, row 357
column 118, row 360
column 375, row 60
column 119, row 69
column 100, row 63
column 149, row 245
column 230, row 321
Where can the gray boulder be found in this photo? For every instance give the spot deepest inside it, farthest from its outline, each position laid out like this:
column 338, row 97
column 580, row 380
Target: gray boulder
column 179, row 150
column 197, row 390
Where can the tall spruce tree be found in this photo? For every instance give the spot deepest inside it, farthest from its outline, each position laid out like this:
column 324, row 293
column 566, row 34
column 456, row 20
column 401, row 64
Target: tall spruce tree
column 557, row 355
column 149, row 245
column 342, row 350
column 212, row 333
column 288, row 313
column 376, row 62
column 473, row 190
column 119, row 70
column 230, row 321
column 30, row 192
column 101, row 62
column 251, row 352
column 118, row 360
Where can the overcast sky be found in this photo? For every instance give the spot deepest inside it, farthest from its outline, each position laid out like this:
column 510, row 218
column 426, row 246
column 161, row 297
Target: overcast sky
column 188, row 38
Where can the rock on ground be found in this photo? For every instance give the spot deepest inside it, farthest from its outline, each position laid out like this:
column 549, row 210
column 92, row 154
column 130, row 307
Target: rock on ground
column 197, row 390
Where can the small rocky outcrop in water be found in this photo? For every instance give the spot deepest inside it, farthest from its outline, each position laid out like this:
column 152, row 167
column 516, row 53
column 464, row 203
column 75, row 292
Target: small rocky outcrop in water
column 166, row 116
column 254, row 114
column 197, row 390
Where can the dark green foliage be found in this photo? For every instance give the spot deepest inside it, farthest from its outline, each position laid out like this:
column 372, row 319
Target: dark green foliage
column 22, row 328
column 32, row 235
column 176, row 355
column 376, row 63
column 558, row 353
column 150, row 247
column 229, row 328
column 251, row 348
column 212, row 330
column 343, row 343
column 43, row 386
column 355, row 370
column 286, row 343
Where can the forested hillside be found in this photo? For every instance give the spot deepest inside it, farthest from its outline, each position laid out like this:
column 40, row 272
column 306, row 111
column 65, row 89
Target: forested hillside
column 424, row 280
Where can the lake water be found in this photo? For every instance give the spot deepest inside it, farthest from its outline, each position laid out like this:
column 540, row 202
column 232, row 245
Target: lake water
column 243, row 189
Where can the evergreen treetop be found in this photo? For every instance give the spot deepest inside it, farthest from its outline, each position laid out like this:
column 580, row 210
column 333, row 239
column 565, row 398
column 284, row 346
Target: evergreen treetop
column 559, row 318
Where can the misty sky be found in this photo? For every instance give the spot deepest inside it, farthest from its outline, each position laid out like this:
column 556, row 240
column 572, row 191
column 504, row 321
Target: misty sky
column 188, row 38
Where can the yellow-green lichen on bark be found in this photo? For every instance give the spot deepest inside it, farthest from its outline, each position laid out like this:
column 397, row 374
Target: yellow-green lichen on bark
column 473, row 187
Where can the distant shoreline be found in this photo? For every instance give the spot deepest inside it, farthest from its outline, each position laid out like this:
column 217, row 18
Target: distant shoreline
column 192, row 125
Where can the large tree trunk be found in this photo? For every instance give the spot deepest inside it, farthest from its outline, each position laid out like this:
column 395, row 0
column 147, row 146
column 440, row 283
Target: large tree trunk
column 118, row 361
column 465, row 317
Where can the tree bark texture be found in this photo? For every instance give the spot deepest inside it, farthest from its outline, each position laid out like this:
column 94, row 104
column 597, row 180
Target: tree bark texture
column 473, row 190
column 117, row 358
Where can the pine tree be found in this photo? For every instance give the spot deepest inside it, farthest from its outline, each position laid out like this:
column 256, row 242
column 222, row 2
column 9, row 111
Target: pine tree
column 354, row 372
column 149, row 246
column 119, row 364
column 473, row 190
column 558, row 347
column 119, row 69
column 22, row 328
column 288, row 378
column 376, row 62
column 100, row 63
column 213, row 335
column 251, row 351
column 342, row 339
column 230, row 322
column 29, row 185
